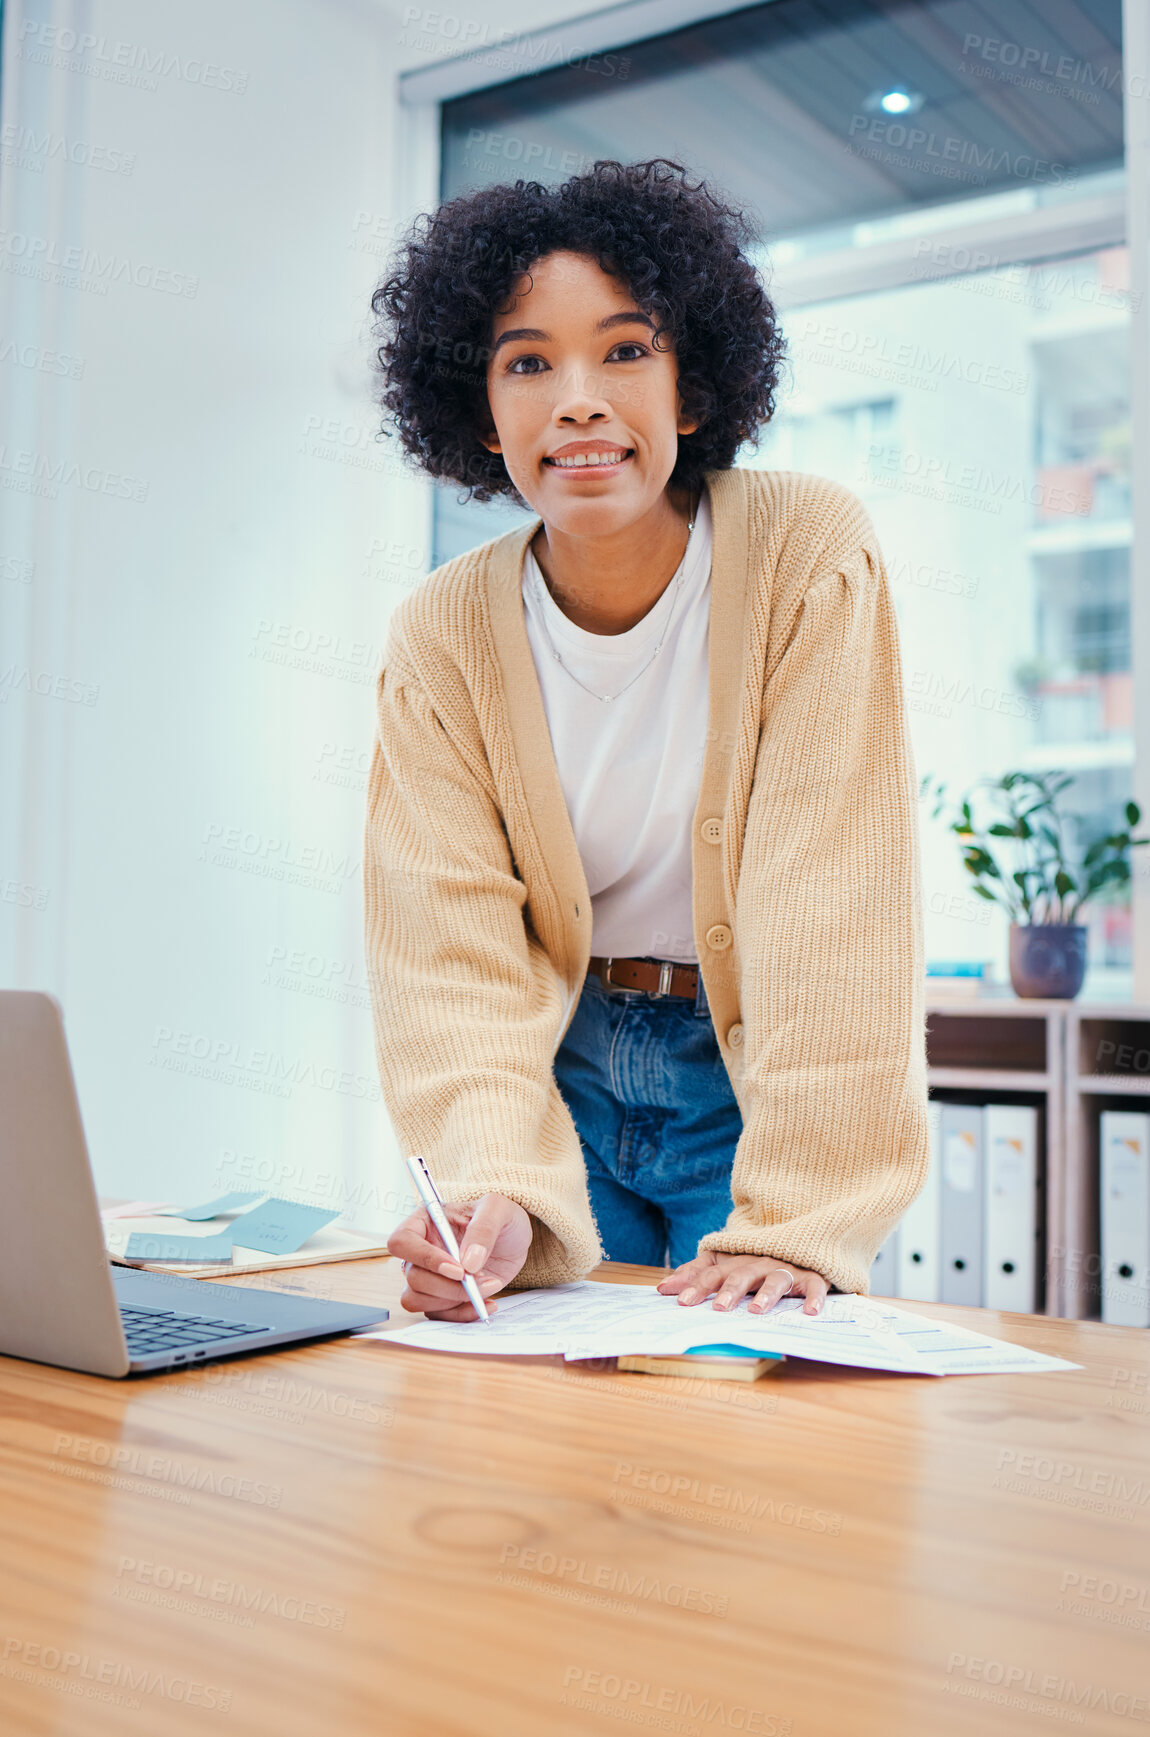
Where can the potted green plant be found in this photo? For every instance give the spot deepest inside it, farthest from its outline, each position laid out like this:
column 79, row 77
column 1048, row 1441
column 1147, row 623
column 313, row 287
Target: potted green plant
column 1042, row 893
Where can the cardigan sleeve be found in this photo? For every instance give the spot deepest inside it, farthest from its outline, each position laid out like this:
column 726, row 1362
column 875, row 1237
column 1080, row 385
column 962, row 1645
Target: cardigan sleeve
column 466, row 1004
column 828, row 944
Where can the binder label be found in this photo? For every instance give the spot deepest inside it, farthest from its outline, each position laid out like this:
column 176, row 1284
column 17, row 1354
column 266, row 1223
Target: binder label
column 1125, row 1167
column 1007, row 1167
column 958, row 1161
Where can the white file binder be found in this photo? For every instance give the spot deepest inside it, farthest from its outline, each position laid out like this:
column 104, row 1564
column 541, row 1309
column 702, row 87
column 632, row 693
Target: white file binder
column 918, row 1250
column 884, row 1267
column 1124, row 1167
column 1010, row 1201
column 960, row 1195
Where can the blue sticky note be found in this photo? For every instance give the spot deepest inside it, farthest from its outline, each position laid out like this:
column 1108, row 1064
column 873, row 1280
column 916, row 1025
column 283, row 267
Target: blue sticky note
column 211, row 1208
column 732, row 1351
column 280, row 1226
column 149, row 1245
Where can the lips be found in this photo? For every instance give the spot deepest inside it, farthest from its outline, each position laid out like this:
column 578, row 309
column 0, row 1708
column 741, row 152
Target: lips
column 601, row 458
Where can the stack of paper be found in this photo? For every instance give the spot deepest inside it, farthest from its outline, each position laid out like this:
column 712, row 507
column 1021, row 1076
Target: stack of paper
column 588, row 1319
column 237, row 1233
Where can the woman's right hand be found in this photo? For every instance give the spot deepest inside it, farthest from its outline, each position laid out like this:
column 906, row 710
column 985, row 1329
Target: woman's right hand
column 494, row 1236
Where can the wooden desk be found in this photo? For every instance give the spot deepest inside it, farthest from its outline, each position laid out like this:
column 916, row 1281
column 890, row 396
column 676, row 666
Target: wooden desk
column 353, row 1541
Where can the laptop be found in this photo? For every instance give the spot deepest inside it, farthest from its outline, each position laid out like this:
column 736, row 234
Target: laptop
column 61, row 1301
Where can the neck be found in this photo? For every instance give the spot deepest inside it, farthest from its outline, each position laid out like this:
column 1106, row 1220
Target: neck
column 608, row 584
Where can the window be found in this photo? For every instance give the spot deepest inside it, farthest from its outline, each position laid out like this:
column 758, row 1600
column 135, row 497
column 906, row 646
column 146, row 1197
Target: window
column 996, row 467
column 940, row 198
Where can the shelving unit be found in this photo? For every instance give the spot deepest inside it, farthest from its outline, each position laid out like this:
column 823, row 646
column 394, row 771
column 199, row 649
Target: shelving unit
column 1108, row 1068
column 1074, row 1060
column 1010, row 1051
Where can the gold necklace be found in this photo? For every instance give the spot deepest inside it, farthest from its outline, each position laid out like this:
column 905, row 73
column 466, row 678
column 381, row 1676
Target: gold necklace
column 677, row 582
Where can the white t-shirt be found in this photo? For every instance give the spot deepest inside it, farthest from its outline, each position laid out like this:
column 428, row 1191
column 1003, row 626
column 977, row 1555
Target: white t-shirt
column 630, row 769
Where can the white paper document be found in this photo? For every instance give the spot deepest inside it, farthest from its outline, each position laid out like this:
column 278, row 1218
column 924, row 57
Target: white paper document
column 587, row 1319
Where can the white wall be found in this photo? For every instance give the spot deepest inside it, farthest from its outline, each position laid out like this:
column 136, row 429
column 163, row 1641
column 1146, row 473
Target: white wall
column 194, row 208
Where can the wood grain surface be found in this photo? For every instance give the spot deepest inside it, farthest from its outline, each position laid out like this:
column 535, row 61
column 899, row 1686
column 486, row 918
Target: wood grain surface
column 367, row 1541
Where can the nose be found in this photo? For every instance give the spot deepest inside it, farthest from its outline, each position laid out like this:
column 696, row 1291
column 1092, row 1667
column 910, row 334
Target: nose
column 577, row 401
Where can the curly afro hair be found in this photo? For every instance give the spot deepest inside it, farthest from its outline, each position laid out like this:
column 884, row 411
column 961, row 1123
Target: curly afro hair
column 675, row 245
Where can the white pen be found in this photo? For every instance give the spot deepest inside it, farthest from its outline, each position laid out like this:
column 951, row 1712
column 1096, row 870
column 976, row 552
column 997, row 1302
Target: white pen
column 430, row 1197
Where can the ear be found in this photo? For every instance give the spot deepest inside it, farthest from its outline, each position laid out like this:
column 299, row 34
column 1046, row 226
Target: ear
column 486, row 431
column 685, row 424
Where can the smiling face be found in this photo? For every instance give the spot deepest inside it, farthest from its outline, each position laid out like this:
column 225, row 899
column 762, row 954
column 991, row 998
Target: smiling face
column 584, row 406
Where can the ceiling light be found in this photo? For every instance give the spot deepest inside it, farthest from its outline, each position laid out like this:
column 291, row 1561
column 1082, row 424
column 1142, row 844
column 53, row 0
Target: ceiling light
column 899, row 102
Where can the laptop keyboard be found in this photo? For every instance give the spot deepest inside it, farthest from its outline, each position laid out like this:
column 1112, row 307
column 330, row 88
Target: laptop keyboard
column 148, row 1330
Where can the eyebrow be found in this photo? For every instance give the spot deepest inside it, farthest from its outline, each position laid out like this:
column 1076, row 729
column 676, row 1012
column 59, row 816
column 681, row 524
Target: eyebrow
column 518, row 333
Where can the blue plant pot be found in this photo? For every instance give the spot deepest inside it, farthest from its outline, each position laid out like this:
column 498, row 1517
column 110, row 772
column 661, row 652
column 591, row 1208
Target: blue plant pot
column 1047, row 960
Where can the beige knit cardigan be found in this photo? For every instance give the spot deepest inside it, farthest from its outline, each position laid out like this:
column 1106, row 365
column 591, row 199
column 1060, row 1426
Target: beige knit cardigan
column 807, row 903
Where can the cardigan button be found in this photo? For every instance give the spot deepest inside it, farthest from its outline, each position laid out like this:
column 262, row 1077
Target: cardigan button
column 718, row 937
column 712, row 831
column 735, row 1037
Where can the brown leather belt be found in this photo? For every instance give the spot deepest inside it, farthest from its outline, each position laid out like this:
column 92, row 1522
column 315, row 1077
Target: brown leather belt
column 655, row 976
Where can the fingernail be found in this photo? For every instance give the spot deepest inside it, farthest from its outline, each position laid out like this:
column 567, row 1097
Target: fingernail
column 490, row 1284
column 451, row 1270
column 687, row 1296
column 474, row 1257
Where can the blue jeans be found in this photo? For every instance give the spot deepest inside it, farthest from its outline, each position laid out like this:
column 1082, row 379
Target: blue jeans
column 657, row 1118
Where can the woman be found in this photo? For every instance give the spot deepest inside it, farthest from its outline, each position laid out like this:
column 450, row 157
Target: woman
column 642, row 880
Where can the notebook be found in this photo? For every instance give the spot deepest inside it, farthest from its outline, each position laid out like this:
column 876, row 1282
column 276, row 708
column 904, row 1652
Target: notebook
column 333, row 1242
column 707, row 1362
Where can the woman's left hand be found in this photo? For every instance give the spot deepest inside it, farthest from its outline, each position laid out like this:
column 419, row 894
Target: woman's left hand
column 732, row 1276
